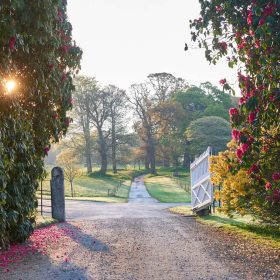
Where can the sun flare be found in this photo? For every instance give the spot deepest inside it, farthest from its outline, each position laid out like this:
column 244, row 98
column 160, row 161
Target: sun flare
column 10, row 85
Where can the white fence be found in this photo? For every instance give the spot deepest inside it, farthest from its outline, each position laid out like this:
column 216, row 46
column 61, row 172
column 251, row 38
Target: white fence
column 202, row 188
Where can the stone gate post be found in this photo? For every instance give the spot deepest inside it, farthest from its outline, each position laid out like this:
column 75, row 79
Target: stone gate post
column 57, row 191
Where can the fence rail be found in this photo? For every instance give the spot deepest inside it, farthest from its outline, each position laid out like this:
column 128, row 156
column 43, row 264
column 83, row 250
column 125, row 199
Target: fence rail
column 44, row 195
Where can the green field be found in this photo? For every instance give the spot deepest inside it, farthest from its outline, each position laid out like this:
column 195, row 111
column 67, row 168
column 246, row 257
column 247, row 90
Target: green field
column 97, row 187
column 166, row 188
column 244, row 226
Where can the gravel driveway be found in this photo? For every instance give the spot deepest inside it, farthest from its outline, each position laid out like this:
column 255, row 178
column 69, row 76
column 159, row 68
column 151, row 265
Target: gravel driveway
column 138, row 240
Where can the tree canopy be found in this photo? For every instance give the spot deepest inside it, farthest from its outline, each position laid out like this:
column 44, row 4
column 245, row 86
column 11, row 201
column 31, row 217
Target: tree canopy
column 39, row 59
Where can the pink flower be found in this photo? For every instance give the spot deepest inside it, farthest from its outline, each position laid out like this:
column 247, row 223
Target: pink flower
column 223, row 81
column 261, row 21
column 65, row 48
column 46, row 150
column 223, row 45
column 257, row 44
column 12, row 43
column 64, row 77
column 253, row 169
column 233, row 112
column 250, row 18
column 244, row 147
column 241, row 101
column 218, row 8
column 236, row 134
column 276, row 194
column 276, row 176
column 239, row 153
column 268, row 186
column 251, row 117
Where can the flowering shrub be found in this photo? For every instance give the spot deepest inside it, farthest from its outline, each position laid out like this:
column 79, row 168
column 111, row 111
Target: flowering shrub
column 251, row 31
column 38, row 54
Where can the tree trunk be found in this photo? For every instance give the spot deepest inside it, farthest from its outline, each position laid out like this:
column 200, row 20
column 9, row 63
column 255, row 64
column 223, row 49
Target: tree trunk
column 166, row 161
column 152, row 155
column 114, row 144
column 72, row 189
column 102, row 151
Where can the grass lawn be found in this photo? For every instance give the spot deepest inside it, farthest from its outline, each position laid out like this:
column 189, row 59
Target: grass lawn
column 44, row 221
column 95, row 187
column 244, row 226
column 166, row 188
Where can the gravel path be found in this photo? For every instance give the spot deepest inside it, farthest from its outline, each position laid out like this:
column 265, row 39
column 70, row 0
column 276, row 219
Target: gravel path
column 152, row 245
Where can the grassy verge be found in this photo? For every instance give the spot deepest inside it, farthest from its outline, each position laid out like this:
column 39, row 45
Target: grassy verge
column 96, row 187
column 244, row 226
column 44, row 221
column 166, row 188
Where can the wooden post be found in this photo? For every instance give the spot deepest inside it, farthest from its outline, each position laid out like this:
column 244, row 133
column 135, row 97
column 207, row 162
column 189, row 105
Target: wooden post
column 57, row 190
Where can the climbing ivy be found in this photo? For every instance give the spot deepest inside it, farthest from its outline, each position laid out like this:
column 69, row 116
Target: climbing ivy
column 39, row 55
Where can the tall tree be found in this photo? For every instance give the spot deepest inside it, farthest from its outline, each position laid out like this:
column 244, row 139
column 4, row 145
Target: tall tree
column 99, row 112
column 146, row 128
column 37, row 63
column 83, row 87
column 117, row 104
column 165, row 84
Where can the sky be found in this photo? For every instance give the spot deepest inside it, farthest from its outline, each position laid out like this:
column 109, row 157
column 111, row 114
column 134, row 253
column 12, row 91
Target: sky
column 123, row 41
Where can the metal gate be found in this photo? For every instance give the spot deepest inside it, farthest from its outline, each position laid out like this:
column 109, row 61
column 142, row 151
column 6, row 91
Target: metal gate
column 44, row 198
column 202, row 188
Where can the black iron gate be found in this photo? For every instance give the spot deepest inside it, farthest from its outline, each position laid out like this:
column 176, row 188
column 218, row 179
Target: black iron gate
column 44, row 198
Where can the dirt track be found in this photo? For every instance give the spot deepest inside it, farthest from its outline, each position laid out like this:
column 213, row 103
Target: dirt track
column 160, row 246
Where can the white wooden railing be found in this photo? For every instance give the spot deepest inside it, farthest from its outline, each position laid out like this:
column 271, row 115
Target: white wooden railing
column 202, row 188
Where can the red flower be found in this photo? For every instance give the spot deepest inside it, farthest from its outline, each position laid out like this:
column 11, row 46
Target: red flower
column 250, row 18
column 218, row 8
column 242, row 100
column 244, row 147
column 276, row 176
column 268, row 186
column 233, row 112
column 253, row 169
column 51, row 66
column 12, row 43
column 46, row 150
column 223, row 81
column 55, row 116
column 276, row 194
column 235, row 134
column 64, row 77
column 239, row 153
column 251, row 117
column 261, row 21
column 223, row 45
column 65, row 48
column 250, row 140
column 257, row 44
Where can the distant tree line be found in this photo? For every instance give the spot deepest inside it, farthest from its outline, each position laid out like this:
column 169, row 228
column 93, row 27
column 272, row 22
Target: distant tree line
column 163, row 121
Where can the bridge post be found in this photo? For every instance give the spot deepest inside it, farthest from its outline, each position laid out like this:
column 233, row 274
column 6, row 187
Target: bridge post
column 57, row 194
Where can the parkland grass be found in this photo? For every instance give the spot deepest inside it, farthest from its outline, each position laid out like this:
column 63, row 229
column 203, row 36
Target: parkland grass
column 166, row 188
column 244, row 226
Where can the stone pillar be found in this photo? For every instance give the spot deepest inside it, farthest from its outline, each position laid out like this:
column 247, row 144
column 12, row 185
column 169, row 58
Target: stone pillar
column 58, row 199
